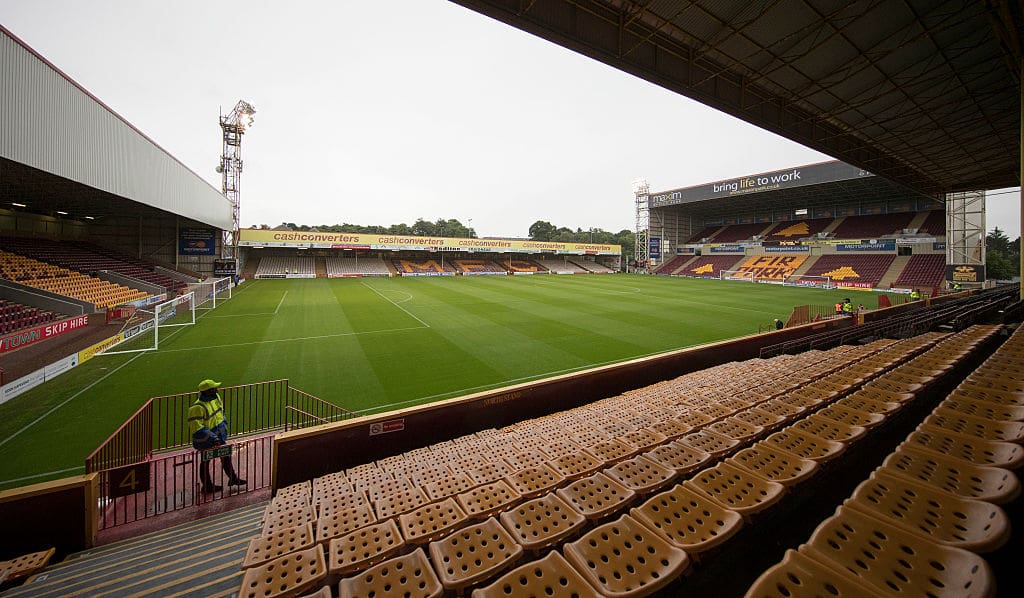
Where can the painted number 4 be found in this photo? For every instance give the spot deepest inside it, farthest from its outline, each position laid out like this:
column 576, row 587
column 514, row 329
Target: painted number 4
column 129, row 480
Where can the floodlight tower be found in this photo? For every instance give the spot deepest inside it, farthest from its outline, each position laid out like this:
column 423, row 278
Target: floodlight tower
column 233, row 126
column 641, row 239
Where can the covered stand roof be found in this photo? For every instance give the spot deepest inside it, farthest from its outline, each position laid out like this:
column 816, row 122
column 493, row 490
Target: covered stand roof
column 923, row 92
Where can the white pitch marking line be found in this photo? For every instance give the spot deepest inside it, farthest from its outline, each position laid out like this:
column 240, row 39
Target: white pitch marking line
column 411, row 315
column 41, row 475
column 288, row 340
column 280, row 302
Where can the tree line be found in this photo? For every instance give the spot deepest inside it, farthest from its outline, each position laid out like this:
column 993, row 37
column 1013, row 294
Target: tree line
column 1002, row 256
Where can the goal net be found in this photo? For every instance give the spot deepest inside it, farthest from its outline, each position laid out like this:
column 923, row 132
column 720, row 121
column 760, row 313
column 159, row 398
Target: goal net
column 742, row 275
column 803, row 280
column 210, row 292
column 142, row 331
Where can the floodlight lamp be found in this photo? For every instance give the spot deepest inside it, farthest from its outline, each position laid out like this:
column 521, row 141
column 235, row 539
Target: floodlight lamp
column 17, row 205
column 62, row 212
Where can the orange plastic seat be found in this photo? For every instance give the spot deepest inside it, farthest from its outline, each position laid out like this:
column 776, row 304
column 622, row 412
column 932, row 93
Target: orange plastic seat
column 364, row 547
column 489, row 472
column 288, row 517
column 597, row 496
column 343, row 521
column 289, row 575
column 24, row 565
column 396, row 503
column 612, row 450
column 641, row 475
column 830, row 429
column 474, row 554
column 680, row 457
column 975, row 426
column 773, row 464
column 408, row 576
column 449, row 486
column 981, row 482
column 852, row 417
column 277, row 544
column 330, row 501
column 534, row 481
column 888, row 559
column 998, row 397
column 982, row 409
column 968, row 448
column 800, row 576
column 486, row 500
column 625, row 559
column 542, row 522
column 736, row 489
column 549, row 576
column 940, row 517
column 732, row 427
column 710, row 442
column 761, row 418
column 688, row 520
column 575, row 465
column 805, row 445
column 432, row 521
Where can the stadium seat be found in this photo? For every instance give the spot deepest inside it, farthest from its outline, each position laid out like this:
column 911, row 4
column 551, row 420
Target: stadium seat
column 688, row 520
column 943, row 518
column 474, row 554
column 889, row 560
column 448, row 486
column 542, row 522
column 338, row 522
column 24, row 565
column 710, row 442
column 773, row 464
column 574, row 466
column 801, row 576
column 396, row 503
column 981, row 482
column 736, row 489
column 409, row 575
column 364, row 547
column 549, row 576
column 287, row 517
column 289, row 575
column 682, row 458
column 534, row 481
column 624, row 558
column 982, row 409
column 277, row 544
column 641, row 475
column 432, row 521
column 596, row 497
column 973, row 426
column 829, row 429
column 489, row 499
column 841, row 413
column 805, row 445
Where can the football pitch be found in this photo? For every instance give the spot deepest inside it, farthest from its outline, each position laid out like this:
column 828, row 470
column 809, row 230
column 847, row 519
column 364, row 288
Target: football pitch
column 376, row 344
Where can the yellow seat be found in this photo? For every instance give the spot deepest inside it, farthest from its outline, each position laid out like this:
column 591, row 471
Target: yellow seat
column 396, row 503
column 712, row 443
column 474, row 554
column 24, row 565
column 364, row 547
column 688, row 520
column 534, row 481
column 940, row 517
column 486, row 500
column 489, row 472
column 975, row 426
column 682, row 458
column 575, row 465
column 799, row 576
column 408, row 575
column 542, row 522
column 332, row 500
column 805, row 445
column 293, row 516
column 887, row 559
column 759, row 417
column 982, row 409
column 735, row 428
column 624, row 558
column 338, row 522
column 449, row 486
column 643, row 438
column 854, row 417
column 289, row 575
column 612, row 450
column 641, row 475
column 987, row 395
column 981, row 482
column 549, row 576
column 830, row 429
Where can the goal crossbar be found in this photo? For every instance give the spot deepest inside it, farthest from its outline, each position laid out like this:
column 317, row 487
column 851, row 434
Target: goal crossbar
column 744, row 275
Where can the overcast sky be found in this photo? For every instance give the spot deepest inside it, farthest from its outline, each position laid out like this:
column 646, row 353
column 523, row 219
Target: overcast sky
column 385, row 112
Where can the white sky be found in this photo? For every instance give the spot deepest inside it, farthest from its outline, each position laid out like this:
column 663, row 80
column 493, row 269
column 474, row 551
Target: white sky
column 385, row 112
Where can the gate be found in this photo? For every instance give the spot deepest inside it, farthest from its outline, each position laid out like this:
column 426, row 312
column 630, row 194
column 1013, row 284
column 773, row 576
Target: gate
column 148, row 467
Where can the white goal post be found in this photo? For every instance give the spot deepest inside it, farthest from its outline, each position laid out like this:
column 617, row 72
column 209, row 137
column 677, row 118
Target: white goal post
column 803, row 280
column 744, row 275
column 142, row 330
column 210, row 292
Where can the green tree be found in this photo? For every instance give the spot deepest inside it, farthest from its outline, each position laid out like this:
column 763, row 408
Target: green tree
column 542, row 231
column 1002, row 256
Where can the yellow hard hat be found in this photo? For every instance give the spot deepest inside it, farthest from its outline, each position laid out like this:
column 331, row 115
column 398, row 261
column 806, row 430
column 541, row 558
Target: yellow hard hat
column 208, row 384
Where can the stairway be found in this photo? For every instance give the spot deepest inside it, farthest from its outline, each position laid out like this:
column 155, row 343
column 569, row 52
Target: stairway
column 894, row 271
column 199, row 558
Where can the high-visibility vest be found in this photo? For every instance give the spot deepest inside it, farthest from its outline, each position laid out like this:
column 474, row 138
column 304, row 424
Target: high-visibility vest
column 205, row 414
column 839, row 308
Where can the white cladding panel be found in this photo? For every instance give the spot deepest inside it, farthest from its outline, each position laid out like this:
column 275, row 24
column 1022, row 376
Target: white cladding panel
column 48, row 123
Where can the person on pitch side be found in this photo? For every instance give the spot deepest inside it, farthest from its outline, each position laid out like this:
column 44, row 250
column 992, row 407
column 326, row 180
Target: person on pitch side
column 209, row 429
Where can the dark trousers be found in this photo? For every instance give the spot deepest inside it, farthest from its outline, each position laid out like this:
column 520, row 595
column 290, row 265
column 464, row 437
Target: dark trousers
column 207, row 478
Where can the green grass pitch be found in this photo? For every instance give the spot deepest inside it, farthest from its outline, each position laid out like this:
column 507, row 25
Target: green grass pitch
column 375, row 344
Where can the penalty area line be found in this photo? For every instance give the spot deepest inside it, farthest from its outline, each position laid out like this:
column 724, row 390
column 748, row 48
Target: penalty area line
column 409, row 313
column 43, row 475
column 280, row 302
column 289, row 340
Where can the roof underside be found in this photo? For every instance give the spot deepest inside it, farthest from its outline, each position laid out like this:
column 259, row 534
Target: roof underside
column 923, row 92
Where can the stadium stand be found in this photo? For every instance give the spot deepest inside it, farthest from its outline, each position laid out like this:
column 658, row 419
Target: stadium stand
column 478, row 266
column 872, row 227
column 743, row 232
column 934, row 224
column 674, row 264
column 430, row 266
column 923, row 271
column 15, row 316
column 561, row 267
column 862, row 270
column 88, row 259
column 344, row 266
column 279, row 267
column 710, row 266
column 798, row 229
column 525, row 266
column 707, row 232
column 593, row 266
column 41, row 275
column 772, row 266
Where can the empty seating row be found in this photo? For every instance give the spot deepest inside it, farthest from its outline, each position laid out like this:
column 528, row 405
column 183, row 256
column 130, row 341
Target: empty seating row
column 873, row 226
column 275, row 266
column 15, row 316
column 55, row 279
column 478, row 266
column 410, row 266
column 923, row 271
column 346, row 266
column 918, row 523
column 561, row 266
column 861, row 270
column 620, row 459
column 710, row 266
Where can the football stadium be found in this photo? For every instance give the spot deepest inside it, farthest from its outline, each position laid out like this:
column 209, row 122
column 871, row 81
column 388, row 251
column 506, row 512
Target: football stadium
column 796, row 383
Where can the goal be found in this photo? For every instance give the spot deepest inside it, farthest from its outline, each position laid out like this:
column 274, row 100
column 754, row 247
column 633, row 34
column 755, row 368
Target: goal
column 210, row 292
column 803, row 280
column 142, row 331
column 742, row 275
